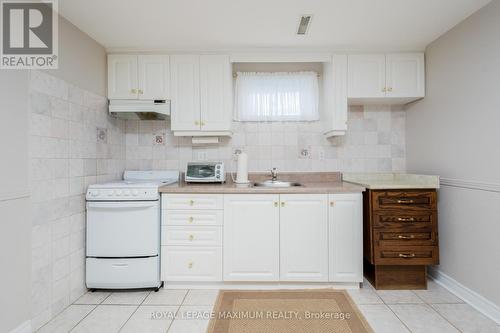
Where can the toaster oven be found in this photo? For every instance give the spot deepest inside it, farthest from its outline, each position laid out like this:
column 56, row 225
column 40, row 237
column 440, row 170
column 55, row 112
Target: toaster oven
column 205, row 172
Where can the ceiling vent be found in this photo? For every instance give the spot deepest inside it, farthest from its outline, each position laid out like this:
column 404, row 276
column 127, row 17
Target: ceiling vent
column 305, row 22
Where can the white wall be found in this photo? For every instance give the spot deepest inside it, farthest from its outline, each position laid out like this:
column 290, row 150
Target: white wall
column 455, row 133
column 15, row 227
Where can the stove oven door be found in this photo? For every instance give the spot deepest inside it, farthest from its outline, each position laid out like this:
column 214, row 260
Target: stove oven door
column 123, row 229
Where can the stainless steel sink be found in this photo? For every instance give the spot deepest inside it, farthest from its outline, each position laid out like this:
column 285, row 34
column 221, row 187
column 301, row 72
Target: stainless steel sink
column 276, row 183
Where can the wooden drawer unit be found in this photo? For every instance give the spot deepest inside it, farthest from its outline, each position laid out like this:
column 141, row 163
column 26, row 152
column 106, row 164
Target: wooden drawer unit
column 192, row 217
column 405, row 200
column 406, row 255
column 402, row 219
column 191, row 236
column 404, row 238
column 183, row 263
column 192, row 201
column 400, row 237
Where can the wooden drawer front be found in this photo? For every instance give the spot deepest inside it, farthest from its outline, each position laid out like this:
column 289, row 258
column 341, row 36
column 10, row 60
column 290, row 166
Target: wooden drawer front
column 408, row 200
column 192, row 201
column 191, row 236
column 183, row 263
column 402, row 220
column 192, row 217
column 407, row 255
column 385, row 238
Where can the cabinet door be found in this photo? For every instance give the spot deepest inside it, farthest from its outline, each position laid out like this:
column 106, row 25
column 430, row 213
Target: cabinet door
column 122, row 76
column 251, row 237
column 366, row 76
column 154, row 77
column 405, row 75
column 335, row 96
column 215, row 92
column 185, row 89
column 345, row 237
column 304, row 237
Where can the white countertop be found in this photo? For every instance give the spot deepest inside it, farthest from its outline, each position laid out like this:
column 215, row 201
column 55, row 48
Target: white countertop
column 382, row 181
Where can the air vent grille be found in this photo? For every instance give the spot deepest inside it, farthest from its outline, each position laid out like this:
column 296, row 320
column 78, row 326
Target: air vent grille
column 305, row 21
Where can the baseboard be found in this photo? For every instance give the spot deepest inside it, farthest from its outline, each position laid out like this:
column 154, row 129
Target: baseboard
column 480, row 303
column 23, row 328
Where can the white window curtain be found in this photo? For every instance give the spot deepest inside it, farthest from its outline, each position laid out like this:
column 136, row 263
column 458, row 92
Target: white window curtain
column 276, row 96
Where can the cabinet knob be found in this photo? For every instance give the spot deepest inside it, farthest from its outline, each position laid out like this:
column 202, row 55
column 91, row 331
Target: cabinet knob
column 332, row 203
column 191, row 202
column 384, row 89
column 191, row 237
column 202, row 123
column 140, row 91
column 133, row 91
column 197, row 123
column 276, row 204
column 190, row 264
column 191, row 219
column 389, row 89
column 282, row 204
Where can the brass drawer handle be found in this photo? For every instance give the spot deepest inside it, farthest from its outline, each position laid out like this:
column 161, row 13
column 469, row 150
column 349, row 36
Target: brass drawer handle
column 190, row 264
column 191, row 202
column 191, row 237
column 406, row 219
column 407, row 255
column 282, row 204
column 191, row 219
column 406, row 237
column 405, row 201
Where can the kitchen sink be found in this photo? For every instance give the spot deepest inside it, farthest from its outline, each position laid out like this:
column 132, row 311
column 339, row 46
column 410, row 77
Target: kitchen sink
column 276, row 183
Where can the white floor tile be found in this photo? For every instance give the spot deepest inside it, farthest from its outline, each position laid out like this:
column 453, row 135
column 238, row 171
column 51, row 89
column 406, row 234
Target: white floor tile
column 150, row 319
column 95, row 297
column 105, row 319
column 201, row 297
column 365, row 296
column 126, row 297
column 191, row 312
column 437, row 294
column 189, row 326
column 382, row 319
column 421, row 318
column 398, row 296
column 466, row 318
column 166, row 297
column 67, row 319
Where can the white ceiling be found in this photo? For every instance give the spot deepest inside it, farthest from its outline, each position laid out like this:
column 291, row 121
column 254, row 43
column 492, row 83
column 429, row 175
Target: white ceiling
column 209, row 25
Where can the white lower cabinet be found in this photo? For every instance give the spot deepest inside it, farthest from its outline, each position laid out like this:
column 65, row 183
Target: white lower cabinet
column 303, row 237
column 345, row 224
column 183, row 263
column 251, row 237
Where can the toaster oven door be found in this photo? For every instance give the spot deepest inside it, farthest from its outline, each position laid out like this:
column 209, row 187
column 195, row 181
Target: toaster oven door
column 201, row 171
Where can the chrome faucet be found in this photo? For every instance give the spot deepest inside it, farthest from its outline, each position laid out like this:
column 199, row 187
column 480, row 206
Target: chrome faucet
column 274, row 174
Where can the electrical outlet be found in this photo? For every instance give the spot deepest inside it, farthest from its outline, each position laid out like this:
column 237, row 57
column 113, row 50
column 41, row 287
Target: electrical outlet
column 305, row 153
column 102, row 135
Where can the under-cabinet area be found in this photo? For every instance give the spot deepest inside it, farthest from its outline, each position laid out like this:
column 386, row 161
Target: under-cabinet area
column 273, row 238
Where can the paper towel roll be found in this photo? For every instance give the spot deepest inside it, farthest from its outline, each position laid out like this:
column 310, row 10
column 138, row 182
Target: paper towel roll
column 242, row 169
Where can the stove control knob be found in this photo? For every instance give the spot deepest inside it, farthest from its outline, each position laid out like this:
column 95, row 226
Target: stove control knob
column 135, row 193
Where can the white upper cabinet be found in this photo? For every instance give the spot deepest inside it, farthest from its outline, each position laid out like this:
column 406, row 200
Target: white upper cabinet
column 201, row 95
column 345, row 237
column 386, row 79
column 154, row 76
column 185, row 88
column 335, row 106
column 366, row 76
column 138, row 76
column 251, row 237
column 122, row 77
column 215, row 92
column 303, row 237
column 405, row 75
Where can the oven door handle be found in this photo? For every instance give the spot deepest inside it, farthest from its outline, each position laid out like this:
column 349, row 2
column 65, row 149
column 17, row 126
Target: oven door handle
column 122, row 205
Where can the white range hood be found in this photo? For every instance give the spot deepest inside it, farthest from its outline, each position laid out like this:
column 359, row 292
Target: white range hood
column 140, row 109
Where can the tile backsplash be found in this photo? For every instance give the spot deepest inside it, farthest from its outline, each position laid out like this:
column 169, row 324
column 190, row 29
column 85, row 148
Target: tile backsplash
column 375, row 142
column 73, row 143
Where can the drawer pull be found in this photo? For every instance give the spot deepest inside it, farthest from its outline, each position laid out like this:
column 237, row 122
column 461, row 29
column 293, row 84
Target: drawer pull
column 407, row 255
column 191, row 219
column 190, row 264
column 406, row 237
column 276, row 204
column 191, row 202
column 191, row 237
column 405, row 201
column 406, row 219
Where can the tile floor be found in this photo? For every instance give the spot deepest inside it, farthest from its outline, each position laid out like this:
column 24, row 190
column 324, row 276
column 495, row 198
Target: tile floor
column 178, row 311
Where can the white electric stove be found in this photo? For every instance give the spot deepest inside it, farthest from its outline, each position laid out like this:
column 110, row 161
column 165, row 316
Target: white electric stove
column 123, row 231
